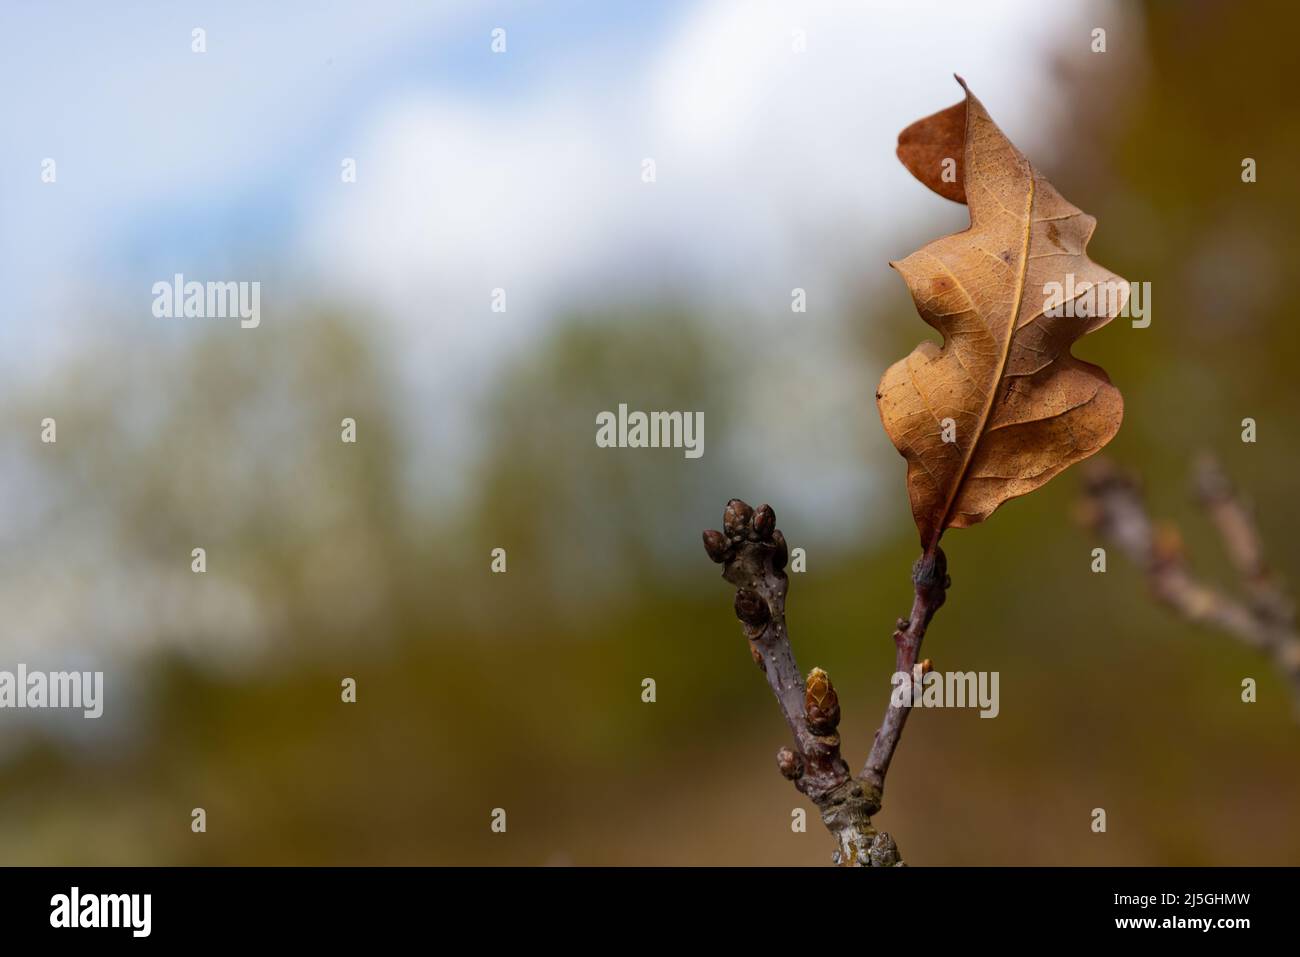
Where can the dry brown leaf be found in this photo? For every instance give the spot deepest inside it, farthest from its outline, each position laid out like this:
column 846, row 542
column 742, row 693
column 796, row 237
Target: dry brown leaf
column 1022, row 408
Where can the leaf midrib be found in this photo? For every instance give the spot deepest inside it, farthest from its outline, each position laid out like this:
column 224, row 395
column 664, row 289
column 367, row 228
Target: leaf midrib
column 1002, row 365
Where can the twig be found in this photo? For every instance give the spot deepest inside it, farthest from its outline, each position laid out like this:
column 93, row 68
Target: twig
column 1113, row 506
column 753, row 554
column 931, row 582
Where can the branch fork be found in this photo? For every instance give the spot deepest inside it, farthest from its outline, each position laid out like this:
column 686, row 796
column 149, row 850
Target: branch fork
column 753, row 555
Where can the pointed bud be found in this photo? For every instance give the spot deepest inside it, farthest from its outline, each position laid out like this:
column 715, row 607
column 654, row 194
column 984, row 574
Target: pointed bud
column 926, row 667
column 736, row 518
column 791, row 764
column 821, row 704
column 716, row 544
column 782, row 554
column 751, row 608
column 764, row 522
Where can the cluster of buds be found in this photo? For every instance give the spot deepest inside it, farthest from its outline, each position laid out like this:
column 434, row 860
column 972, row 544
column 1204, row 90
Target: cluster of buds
column 747, row 528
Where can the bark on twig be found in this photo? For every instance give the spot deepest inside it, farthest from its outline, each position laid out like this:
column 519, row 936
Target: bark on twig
column 1113, row 506
column 930, row 580
column 753, row 554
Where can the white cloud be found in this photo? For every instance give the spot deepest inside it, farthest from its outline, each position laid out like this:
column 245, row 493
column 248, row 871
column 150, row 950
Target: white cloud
column 775, row 169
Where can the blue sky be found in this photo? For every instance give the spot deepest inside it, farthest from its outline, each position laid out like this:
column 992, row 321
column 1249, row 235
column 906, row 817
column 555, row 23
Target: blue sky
column 171, row 160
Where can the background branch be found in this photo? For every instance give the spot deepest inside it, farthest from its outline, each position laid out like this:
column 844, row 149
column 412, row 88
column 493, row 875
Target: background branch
column 1114, row 507
column 753, row 554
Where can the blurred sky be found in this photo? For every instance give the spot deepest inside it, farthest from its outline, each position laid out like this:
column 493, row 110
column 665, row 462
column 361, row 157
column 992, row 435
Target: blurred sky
column 476, row 170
